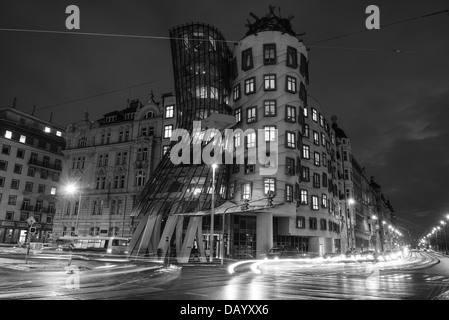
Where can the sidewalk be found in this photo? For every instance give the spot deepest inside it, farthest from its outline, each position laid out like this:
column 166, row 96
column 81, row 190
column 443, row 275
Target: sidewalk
column 20, row 265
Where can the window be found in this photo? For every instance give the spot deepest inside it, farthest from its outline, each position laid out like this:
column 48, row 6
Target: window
column 288, row 193
column 169, row 111
column 9, row 216
column 47, row 130
column 314, row 115
column 250, row 85
column 324, row 200
column 3, row 165
column 323, row 139
column 82, row 143
column 345, row 155
column 17, row 169
column 246, row 191
column 316, row 159
column 142, row 154
column 12, row 200
column 231, row 190
column 236, row 93
column 269, row 54
column 292, row 57
column 290, row 166
column 96, row 207
column 315, row 205
column 251, row 115
column 49, row 220
column 270, row 133
column 251, row 140
column 321, row 120
column 168, row 131
column 312, row 223
column 15, row 184
column 290, row 114
column 247, row 59
column 269, row 107
column 249, row 168
column 165, row 149
column 8, row 134
column 20, row 153
column 238, row 115
column 140, row 177
column 31, row 172
column 323, row 224
column 269, row 186
column 290, row 140
column 316, row 138
column 53, row 191
column 290, row 84
column 41, row 188
column 305, row 130
column 269, row 82
column 300, row 222
column 316, row 180
column 304, row 196
column 346, row 174
column 303, row 96
column 29, row 186
column 324, row 180
column 303, row 65
column 305, row 151
column 305, row 174
column 6, row 149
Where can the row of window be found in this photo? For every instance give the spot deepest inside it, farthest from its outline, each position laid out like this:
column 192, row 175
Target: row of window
column 115, row 207
column 269, row 110
column 119, row 181
column 270, row 84
column 15, row 184
column 313, row 224
column 44, row 174
column 6, row 150
column 32, row 141
column 270, row 55
column 24, row 216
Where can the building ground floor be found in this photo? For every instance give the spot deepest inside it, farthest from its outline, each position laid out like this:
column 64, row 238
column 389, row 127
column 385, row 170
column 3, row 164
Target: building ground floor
column 15, row 233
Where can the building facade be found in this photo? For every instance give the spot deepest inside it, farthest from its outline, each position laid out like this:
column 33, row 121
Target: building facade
column 109, row 161
column 30, row 173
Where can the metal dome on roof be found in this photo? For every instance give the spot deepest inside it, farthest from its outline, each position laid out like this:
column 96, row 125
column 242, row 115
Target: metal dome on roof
column 271, row 22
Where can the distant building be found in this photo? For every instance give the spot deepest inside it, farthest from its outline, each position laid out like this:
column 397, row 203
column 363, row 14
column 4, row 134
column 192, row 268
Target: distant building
column 30, row 171
column 109, row 161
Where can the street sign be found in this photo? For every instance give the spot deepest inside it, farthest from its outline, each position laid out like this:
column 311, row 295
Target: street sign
column 31, row 221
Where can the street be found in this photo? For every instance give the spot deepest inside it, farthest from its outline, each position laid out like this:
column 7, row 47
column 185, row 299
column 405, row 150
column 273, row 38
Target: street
column 419, row 276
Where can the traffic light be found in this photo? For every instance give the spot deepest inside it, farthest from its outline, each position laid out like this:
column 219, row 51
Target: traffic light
column 245, row 205
column 270, row 199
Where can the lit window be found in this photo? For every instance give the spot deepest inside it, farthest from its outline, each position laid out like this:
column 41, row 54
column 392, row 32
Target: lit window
column 306, row 152
column 270, row 133
column 304, row 196
column 168, row 131
column 58, row 133
column 246, row 191
column 53, row 191
column 290, row 114
column 251, row 115
column 22, row 139
column 324, row 200
column 288, row 193
column 47, row 129
column 316, row 138
column 169, row 112
column 238, row 115
column 314, row 115
column 8, row 134
column 315, row 205
column 317, row 161
column 250, row 85
column 292, row 57
column 290, row 140
column 269, row 108
column 269, row 82
column 236, row 92
column 269, row 186
column 291, row 84
column 251, row 140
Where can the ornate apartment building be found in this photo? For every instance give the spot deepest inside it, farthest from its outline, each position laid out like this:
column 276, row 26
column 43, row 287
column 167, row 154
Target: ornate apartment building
column 109, row 160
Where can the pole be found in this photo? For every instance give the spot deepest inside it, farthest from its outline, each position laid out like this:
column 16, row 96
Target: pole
column 28, row 245
column 445, row 242
column 212, row 211
column 222, row 236
column 78, row 214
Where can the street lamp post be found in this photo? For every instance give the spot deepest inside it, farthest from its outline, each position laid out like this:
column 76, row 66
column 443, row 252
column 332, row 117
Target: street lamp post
column 212, row 212
column 444, row 231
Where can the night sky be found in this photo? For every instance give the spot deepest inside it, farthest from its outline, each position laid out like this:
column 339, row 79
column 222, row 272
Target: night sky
column 393, row 106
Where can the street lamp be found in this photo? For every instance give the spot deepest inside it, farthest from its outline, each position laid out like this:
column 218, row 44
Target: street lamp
column 73, row 189
column 212, row 211
column 444, row 230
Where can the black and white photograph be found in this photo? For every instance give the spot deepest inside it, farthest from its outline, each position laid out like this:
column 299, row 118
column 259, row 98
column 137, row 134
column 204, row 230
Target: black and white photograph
column 231, row 157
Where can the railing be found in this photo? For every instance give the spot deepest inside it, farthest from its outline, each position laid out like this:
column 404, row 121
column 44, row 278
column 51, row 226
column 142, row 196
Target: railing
column 26, row 208
column 35, row 162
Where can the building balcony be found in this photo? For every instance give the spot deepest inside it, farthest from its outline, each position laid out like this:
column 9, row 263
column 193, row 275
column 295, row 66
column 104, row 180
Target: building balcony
column 46, row 165
column 26, row 208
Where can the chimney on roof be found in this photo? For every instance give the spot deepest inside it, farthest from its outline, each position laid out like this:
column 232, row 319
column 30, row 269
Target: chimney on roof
column 14, row 102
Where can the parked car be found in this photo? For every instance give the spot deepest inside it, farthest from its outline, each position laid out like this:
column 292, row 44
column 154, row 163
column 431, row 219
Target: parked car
column 283, row 252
